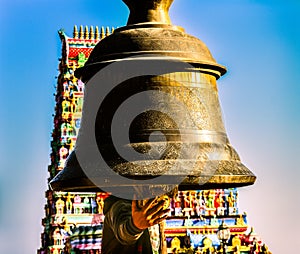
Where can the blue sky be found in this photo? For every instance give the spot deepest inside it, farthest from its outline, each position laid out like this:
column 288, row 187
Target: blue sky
column 257, row 40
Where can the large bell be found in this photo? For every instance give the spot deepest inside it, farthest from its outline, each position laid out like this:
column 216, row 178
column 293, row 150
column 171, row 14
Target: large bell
column 151, row 113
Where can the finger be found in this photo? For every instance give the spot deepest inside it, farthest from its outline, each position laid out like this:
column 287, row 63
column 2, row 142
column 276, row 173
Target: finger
column 156, row 208
column 160, row 214
column 160, row 203
column 153, row 213
column 158, row 220
column 149, row 204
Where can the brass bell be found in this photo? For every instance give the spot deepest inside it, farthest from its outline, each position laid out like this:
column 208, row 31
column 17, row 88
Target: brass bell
column 151, row 114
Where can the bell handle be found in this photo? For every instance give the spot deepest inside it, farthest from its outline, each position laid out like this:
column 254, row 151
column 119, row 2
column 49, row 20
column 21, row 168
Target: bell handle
column 144, row 11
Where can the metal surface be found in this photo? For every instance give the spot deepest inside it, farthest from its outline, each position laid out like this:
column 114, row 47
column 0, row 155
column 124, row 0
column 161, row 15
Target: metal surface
column 211, row 162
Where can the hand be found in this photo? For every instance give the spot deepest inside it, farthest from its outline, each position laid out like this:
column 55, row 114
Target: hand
column 151, row 213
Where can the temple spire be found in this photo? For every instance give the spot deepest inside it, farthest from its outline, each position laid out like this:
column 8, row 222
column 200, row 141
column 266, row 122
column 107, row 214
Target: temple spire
column 107, row 31
column 86, row 32
column 92, row 34
column 97, row 33
column 75, row 32
column 102, row 35
column 81, row 32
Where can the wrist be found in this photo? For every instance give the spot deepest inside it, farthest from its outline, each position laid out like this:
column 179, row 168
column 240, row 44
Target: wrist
column 134, row 228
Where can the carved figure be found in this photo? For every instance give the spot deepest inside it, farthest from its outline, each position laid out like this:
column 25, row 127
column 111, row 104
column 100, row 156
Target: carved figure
column 100, row 204
column 77, row 204
column 177, row 206
column 87, row 205
column 240, row 221
column 210, row 199
column 81, row 59
column 69, row 202
column 63, row 153
column 93, row 205
column 231, row 203
column 175, row 244
column 208, row 248
column 187, row 204
column 60, row 204
column 219, row 204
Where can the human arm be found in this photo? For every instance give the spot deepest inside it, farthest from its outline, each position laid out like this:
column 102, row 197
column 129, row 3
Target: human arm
column 119, row 219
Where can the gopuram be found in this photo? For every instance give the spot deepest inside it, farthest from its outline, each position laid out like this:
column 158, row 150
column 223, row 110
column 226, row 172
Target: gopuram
column 189, row 146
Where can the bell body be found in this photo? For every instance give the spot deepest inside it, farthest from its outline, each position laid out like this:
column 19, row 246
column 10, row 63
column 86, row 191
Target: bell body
column 158, row 122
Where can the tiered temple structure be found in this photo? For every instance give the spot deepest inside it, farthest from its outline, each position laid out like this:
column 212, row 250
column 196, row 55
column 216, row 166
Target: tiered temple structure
column 73, row 221
column 68, row 215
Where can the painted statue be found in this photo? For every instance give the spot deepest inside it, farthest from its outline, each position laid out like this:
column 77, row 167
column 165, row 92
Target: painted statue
column 69, row 203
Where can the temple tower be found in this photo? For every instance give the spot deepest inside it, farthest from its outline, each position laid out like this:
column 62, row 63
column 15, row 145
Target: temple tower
column 67, row 211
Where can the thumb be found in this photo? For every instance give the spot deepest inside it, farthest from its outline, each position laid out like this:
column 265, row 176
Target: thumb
column 134, row 203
